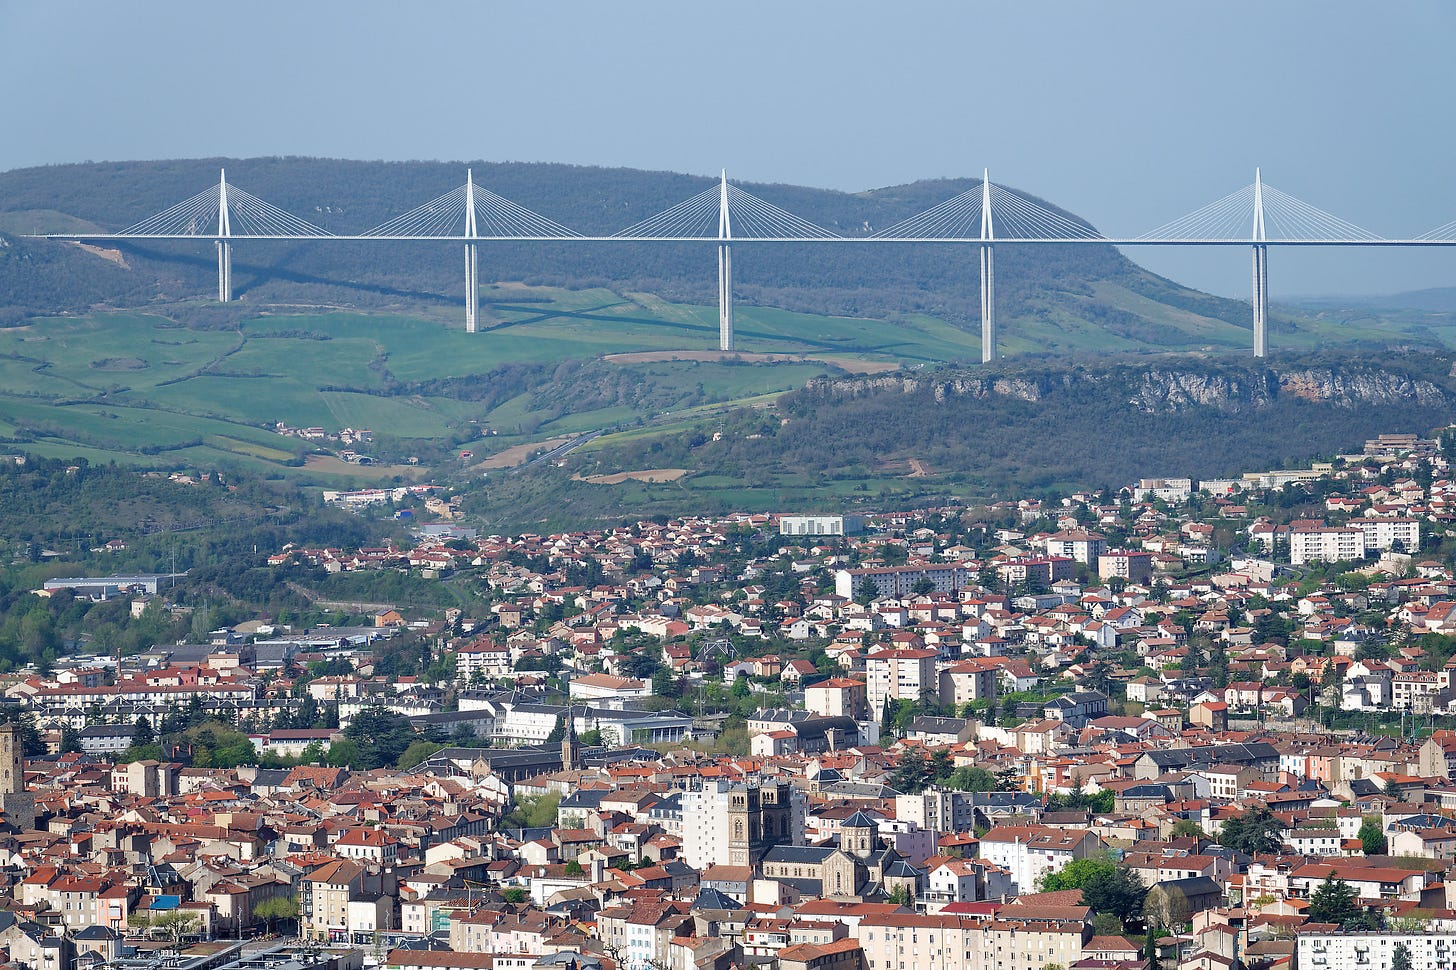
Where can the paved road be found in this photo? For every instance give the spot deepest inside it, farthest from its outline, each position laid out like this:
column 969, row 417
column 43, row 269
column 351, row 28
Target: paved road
column 560, row 450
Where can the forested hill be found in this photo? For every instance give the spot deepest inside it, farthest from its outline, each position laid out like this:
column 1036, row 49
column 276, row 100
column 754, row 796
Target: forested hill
column 1074, row 287
column 1014, row 428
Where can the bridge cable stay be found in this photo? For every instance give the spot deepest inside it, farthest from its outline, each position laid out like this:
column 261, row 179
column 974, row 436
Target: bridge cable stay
column 223, row 212
column 496, row 218
column 701, row 218
column 1286, row 219
column 1017, row 217
column 247, row 214
column 984, row 214
column 1446, row 232
column 1259, row 213
column 1014, row 216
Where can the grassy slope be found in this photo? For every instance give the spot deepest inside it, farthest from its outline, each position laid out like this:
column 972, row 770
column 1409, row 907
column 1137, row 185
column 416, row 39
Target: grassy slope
column 144, row 390
column 149, row 391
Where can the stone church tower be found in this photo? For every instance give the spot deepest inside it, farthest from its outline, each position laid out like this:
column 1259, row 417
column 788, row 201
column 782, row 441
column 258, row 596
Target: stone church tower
column 570, row 746
column 17, row 803
column 759, row 818
column 858, row 835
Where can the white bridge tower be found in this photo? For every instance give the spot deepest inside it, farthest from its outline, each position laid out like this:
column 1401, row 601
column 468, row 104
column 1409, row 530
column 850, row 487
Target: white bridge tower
column 988, row 273
column 224, row 247
column 1261, row 272
column 725, row 268
column 472, row 270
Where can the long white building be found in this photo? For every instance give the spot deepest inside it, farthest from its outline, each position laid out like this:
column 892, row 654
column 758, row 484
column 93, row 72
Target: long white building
column 1374, row 951
column 1325, row 545
column 946, row 577
column 1383, row 533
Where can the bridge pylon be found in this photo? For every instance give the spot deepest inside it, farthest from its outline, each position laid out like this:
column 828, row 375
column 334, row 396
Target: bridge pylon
column 725, row 268
column 224, row 247
column 988, row 273
column 1261, row 273
column 472, row 265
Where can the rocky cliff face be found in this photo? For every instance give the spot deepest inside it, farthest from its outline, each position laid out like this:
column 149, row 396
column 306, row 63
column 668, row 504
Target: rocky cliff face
column 1163, row 390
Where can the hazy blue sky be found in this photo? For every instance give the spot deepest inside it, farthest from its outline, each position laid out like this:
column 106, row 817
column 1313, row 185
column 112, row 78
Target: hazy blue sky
column 1128, row 113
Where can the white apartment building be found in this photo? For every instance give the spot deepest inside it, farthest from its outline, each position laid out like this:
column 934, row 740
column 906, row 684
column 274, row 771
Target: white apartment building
column 1171, row 490
column 965, row 881
column 1385, row 533
column 836, row 697
column 1029, row 852
column 900, row 580
column 1325, row 545
column 1415, row 690
column 910, row 941
column 901, row 675
column 1082, row 546
column 490, row 660
column 937, row 809
column 820, row 525
column 1373, row 951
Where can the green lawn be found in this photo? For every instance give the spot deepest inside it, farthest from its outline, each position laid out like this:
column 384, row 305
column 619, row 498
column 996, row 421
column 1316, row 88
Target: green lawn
column 142, row 388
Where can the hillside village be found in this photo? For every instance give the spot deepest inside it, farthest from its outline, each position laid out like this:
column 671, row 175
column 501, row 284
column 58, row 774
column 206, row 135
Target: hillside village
column 1200, row 726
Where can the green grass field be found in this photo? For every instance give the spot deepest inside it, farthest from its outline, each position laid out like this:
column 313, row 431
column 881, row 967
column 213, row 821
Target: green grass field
column 147, row 390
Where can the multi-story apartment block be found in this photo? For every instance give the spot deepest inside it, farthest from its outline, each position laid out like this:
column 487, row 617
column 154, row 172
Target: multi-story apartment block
column 1037, row 569
column 1084, row 547
column 907, row 941
column 1382, row 533
column 900, row 675
column 1029, row 852
column 1325, row 544
column 1415, row 690
column 901, row 580
column 837, row 697
column 969, row 680
column 1343, row 949
column 820, row 525
column 1131, row 565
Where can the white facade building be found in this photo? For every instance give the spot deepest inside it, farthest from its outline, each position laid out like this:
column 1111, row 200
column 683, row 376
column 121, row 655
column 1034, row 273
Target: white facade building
column 705, row 826
column 1325, row 545
column 1029, row 852
column 1385, row 533
column 900, row 674
column 1373, row 951
column 900, row 580
column 820, row 525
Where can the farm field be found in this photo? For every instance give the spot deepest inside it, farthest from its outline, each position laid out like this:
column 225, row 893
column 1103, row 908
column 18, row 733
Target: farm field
column 146, row 389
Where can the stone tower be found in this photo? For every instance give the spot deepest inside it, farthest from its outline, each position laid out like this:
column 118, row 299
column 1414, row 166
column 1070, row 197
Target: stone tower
column 777, row 808
column 17, row 803
column 760, row 816
column 570, row 746
column 12, row 750
column 857, row 835
column 745, row 825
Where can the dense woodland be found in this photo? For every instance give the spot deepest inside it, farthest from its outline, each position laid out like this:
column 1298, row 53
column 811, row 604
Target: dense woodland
column 346, row 197
column 1082, row 430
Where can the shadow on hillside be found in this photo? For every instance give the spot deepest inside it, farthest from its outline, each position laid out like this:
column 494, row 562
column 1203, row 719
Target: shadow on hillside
column 696, row 329
column 256, row 275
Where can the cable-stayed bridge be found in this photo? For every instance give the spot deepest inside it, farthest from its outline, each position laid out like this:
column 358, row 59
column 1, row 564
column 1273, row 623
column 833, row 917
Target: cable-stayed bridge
column 1258, row 216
